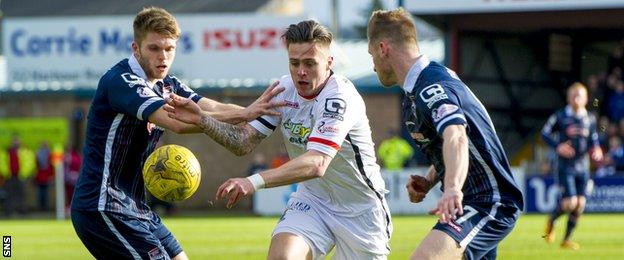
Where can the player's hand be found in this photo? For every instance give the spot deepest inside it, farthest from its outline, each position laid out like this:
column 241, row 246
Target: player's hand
column 596, row 154
column 449, row 206
column 263, row 105
column 233, row 190
column 183, row 109
column 417, row 188
column 566, row 150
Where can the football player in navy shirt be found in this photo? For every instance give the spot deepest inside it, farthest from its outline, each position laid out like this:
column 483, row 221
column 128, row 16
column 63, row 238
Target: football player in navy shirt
column 571, row 131
column 481, row 200
column 125, row 122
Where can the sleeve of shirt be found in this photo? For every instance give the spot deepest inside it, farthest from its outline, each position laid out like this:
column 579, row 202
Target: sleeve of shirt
column 266, row 124
column 185, row 91
column 442, row 106
column 593, row 132
column 334, row 116
column 547, row 131
column 129, row 94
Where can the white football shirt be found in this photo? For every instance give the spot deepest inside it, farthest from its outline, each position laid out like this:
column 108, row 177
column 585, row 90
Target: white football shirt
column 334, row 123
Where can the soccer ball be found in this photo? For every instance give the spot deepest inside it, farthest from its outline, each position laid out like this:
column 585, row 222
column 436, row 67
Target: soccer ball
column 172, row 173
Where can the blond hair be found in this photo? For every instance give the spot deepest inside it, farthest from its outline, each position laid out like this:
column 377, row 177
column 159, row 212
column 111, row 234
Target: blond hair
column 307, row 32
column 575, row 86
column 396, row 26
column 155, row 19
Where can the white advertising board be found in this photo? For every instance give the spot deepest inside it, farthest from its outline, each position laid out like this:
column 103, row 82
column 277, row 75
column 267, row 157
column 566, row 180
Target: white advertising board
column 485, row 6
column 81, row 49
column 273, row 201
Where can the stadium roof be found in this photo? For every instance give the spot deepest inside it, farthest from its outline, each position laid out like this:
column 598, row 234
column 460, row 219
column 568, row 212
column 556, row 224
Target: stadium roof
column 119, row 7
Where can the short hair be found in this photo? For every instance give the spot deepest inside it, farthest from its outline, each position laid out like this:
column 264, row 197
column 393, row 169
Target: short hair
column 155, row 19
column 575, row 86
column 306, row 32
column 396, row 25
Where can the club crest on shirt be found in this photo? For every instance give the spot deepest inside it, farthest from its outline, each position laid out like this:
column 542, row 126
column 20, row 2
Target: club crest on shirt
column 146, row 92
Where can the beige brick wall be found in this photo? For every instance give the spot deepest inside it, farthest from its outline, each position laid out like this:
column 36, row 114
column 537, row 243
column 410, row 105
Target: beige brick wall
column 217, row 163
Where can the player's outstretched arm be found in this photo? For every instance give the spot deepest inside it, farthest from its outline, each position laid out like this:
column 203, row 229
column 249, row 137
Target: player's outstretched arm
column 238, row 139
column 309, row 165
column 234, row 114
column 455, row 153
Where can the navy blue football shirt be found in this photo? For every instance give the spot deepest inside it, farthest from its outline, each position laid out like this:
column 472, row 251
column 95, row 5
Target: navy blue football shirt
column 119, row 138
column 436, row 98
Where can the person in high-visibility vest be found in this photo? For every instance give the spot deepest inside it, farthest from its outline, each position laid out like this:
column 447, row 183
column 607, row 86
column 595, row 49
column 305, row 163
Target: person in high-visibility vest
column 16, row 165
column 394, row 152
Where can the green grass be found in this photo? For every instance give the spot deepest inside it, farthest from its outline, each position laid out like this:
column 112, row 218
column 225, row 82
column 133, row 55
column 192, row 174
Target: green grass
column 600, row 236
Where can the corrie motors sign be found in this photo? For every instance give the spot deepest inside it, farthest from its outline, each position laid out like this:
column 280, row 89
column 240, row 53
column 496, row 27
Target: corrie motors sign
column 488, row 6
column 80, row 49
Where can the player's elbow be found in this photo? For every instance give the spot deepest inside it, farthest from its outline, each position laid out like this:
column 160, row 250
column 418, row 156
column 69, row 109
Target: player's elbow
column 318, row 167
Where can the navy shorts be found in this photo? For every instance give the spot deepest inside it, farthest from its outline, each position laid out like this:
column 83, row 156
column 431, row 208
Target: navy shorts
column 481, row 228
column 572, row 183
column 109, row 235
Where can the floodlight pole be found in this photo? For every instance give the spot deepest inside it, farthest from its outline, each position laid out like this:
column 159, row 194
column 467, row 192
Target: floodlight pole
column 59, row 185
column 335, row 18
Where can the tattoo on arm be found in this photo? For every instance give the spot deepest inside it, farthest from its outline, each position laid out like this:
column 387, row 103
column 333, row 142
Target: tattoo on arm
column 239, row 139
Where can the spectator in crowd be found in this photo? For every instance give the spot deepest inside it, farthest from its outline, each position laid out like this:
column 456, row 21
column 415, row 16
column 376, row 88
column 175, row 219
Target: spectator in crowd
column 72, row 161
column 394, row 152
column 257, row 165
column 280, row 158
column 614, row 161
column 615, row 106
column 45, row 172
column 16, row 164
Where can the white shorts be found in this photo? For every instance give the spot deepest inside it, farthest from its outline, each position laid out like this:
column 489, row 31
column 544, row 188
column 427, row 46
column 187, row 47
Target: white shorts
column 361, row 237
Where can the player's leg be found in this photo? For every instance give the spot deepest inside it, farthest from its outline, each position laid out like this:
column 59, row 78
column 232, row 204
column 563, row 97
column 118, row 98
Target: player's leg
column 289, row 246
column 565, row 181
column 167, row 240
column 365, row 236
column 575, row 214
column 438, row 245
column 301, row 233
column 476, row 233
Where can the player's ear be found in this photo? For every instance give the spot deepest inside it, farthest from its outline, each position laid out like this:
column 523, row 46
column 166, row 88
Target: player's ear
column 383, row 48
column 135, row 48
column 330, row 62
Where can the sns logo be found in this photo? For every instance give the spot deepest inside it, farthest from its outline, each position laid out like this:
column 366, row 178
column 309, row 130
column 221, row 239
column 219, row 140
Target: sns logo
column 299, row 131
column 6, row 246
column 432, row 94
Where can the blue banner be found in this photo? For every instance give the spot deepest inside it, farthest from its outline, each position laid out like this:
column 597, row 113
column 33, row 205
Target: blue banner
column 607, row 195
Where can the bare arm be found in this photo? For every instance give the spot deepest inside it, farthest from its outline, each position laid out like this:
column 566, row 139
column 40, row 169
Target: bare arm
column 160, row 118
column 455, row 153
column 234, row 114
column 238, row 139
column 309, row 165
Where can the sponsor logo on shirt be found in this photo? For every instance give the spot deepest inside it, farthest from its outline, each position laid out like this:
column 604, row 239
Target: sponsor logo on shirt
column 133, row 80
column 432, row 94
column 335, row 108
column 299, row 133
column 292, row 104
column 442, row 111
column 323, row 128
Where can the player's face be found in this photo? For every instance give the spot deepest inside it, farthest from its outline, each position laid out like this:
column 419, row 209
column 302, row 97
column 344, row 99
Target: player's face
column 577, row 98
column 384, row 71
column 309, row 65
column 155, row 55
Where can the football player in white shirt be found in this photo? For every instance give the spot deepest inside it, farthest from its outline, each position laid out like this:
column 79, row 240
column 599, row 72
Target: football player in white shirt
column 340, row 200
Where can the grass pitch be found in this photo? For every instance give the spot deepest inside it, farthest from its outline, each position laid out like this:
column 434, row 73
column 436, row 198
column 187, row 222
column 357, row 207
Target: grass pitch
column 236, row 237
